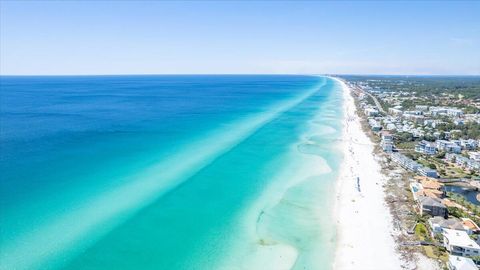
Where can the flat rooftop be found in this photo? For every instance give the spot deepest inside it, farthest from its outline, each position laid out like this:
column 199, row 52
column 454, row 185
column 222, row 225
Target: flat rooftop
column 459, row 238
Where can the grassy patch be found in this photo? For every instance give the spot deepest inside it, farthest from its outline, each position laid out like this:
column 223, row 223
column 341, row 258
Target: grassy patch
column 429, row 252
column 421, row 232
column 406, row 145
column 436, row 253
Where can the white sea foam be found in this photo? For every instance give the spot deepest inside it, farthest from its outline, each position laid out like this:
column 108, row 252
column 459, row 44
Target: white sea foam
column 288, row 226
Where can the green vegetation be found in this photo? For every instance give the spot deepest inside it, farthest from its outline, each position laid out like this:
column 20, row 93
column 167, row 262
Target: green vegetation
column 469, row 130
column 434, row 252
column 450, row 87
column 405, row 145
column 456, row 212
column 421, row 232
column 369, row 100
column 475, row 209
column 401, row 137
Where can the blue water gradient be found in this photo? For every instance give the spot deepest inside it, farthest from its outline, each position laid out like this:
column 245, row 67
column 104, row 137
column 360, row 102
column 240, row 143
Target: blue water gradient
column 167, row 172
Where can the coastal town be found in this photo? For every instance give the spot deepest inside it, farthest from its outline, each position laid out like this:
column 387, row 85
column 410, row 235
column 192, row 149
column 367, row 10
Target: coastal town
column 427, row 133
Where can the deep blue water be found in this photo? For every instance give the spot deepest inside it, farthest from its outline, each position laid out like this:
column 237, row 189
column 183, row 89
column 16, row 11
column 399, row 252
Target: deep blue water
column 166, row 172
column 469, row 195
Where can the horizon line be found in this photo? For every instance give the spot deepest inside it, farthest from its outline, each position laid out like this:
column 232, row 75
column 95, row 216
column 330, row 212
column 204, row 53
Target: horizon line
column 238, row 74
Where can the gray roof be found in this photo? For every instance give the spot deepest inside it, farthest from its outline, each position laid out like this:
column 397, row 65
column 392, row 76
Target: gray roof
column 427, row 201
column 451, row 223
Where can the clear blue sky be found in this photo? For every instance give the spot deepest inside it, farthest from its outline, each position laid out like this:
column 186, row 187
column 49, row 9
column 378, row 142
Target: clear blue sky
column 121, row 37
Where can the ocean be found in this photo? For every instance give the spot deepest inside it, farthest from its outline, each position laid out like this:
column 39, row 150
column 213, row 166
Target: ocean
column 168, row 172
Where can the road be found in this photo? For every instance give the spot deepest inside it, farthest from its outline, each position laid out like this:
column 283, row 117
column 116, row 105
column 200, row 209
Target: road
column 377, row 103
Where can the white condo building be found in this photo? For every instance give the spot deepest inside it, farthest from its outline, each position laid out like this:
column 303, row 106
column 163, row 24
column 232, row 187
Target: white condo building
column 459, row 243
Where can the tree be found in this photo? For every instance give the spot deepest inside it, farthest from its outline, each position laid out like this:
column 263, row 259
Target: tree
column 453, row 211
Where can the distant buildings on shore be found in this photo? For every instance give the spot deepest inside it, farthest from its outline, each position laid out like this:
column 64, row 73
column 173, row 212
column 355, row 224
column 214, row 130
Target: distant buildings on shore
column 412, row 165
column 430, row 197
column 438, row 136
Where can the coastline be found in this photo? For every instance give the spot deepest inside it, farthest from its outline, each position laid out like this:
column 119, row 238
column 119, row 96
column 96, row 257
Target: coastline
column 364, row 223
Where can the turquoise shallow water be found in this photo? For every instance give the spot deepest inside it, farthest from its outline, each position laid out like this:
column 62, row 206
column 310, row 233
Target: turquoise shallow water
column 168, row 172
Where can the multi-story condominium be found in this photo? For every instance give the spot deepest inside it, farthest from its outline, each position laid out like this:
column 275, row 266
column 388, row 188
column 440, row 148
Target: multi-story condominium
column 386, row 136
column 464, row 162
column 458, row 243
column 427, row 172
column 447, row 146
column 371, row 112
column 454, row 112
column 422, row 108
column 431, row 206
column 461, row 263
column 438, row 224
column 374, row 125
column 387, row 146
column 427, row 148
column 395, row 111
column 469, row 144
column 405, row 162
column 438, row 111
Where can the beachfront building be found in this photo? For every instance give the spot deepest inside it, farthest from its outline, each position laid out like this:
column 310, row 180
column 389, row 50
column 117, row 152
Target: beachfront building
column 425, row 171
column 425, row 147
column 438, row 224
column 387, row 141
column 375, row 125
column 431, row 206
column 419, row 190
column 461, row 263
column 432, row 184
column 371, row 112
column 387, row 147
column 386, row 136
column 405, row 162
column 458, row 243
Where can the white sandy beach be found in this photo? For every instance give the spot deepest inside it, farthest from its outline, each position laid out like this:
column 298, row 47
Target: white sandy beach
column 364, row 224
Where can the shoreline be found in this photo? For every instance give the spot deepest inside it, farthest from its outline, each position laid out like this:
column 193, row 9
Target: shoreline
column 363, row 220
